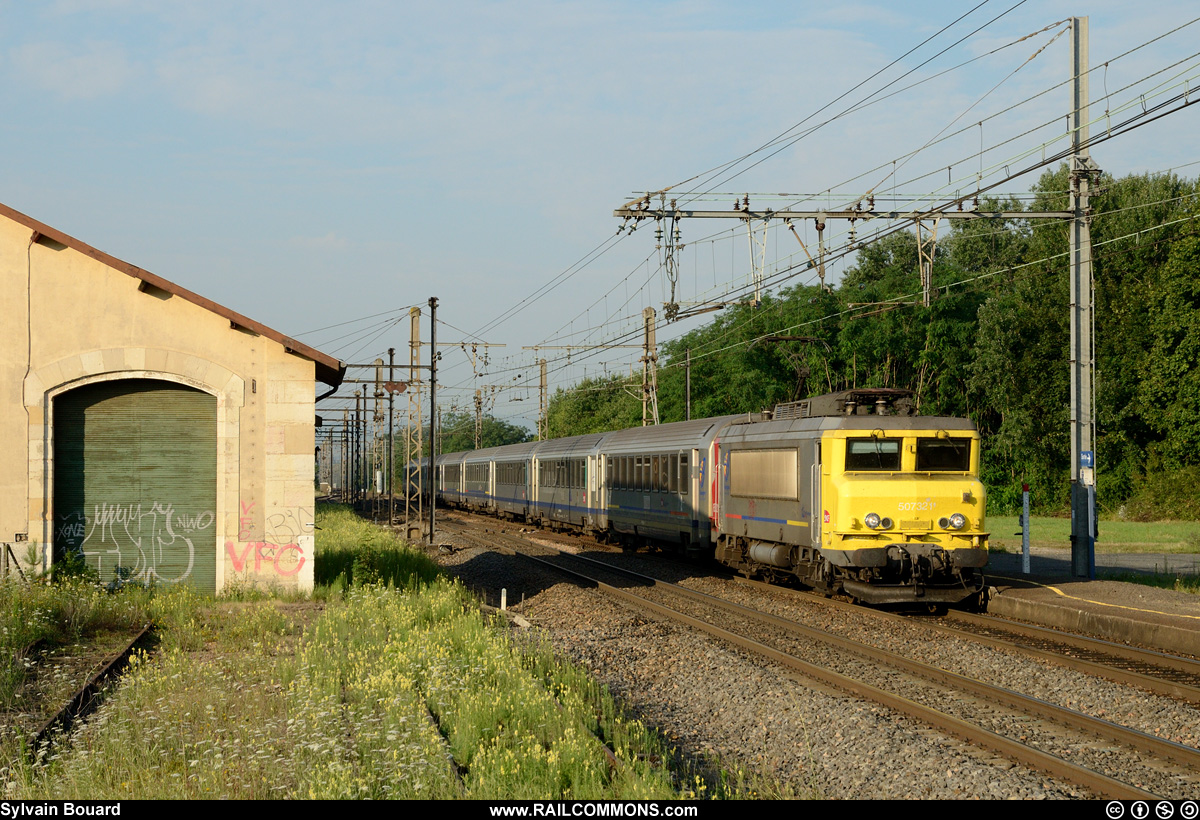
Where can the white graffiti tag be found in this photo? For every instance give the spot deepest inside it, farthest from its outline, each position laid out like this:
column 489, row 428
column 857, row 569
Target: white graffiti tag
column 151, row 532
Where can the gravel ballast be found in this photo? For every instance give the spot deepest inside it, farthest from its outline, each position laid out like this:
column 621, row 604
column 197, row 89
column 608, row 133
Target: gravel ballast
column 715, row 702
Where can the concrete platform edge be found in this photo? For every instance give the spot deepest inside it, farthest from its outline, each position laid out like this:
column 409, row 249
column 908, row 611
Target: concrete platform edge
column 1115, row 628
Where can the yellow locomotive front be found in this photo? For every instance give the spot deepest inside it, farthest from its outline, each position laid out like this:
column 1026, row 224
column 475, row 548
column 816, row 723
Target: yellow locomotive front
column 902, row 510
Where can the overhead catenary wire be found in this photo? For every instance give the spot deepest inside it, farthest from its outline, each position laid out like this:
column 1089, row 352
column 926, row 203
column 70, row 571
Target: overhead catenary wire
column 784, row 275
column 998, row 165
column 607, row 244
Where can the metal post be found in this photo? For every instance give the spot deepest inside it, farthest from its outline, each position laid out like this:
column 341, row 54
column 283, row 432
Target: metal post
column 543, row 408
column 478, row 417
column 1025, row 528
column 433, row 442
column 649, row 369
column 391, row 459
column 414, row 448
column 687, row 370
column 358, row 467
column 1083, row 459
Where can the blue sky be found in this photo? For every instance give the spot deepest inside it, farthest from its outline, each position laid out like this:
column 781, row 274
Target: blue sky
column 309, row 164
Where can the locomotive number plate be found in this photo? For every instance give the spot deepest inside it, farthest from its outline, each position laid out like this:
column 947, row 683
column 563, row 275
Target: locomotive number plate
column 916, row 524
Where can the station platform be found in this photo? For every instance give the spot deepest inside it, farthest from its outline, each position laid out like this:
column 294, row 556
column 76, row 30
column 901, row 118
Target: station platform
column 1113, row 610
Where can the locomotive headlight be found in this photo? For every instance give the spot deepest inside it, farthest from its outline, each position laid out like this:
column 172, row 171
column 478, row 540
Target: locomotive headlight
column 958, row 521
column 871, row 520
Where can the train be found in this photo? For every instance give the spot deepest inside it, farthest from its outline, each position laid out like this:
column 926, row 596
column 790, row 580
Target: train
column 850, row 493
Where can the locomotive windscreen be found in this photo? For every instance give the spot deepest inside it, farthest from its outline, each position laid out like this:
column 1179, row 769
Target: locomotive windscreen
column 873, row 454
column 948, row 454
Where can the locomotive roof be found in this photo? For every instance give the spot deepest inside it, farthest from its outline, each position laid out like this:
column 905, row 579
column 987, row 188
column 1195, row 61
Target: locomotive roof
column 822, row 424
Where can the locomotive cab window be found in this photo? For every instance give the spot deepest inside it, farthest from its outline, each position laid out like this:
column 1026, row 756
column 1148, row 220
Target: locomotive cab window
column 943, row 455
column 872, row 454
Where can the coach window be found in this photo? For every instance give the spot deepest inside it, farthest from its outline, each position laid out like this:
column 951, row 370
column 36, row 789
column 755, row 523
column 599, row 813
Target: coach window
column 654, row 474
column 684, row 477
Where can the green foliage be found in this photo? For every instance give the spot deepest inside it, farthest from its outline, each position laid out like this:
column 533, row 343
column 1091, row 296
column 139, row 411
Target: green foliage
column 1166, row 494
column 353, row 552
column 1163, row 580
column 1169, row 392
column 457, row 432
column 369, row 702
column 594, row 406
column 60, row 613
column 72, row 565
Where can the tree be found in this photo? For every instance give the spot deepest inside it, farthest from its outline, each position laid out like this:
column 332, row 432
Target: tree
column 594, row 406
column 457, row 432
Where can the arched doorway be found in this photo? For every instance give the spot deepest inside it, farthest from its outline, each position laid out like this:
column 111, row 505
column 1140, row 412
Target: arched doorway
column 135, row 486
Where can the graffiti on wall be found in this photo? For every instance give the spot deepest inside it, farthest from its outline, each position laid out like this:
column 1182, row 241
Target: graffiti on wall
column 142, row 542
column 279, row 550
column 156, row 543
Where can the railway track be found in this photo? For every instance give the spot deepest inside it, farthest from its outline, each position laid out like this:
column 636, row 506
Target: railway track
column 1098, row 755
column 1156, row 672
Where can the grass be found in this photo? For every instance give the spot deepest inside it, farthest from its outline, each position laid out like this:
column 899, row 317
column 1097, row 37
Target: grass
column 1163, row 580
column 383, row 695
column 351, row 551
column 396, row 686
column 1114, row 536
column 57, row 614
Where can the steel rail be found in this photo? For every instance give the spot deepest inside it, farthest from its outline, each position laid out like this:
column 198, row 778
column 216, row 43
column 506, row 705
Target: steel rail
column 87, row 698
column 1156, row 685
column 1104, row 729
column 975, row 735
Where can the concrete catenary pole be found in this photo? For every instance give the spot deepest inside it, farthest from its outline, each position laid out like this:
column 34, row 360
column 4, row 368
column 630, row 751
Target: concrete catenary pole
column 1083, row 422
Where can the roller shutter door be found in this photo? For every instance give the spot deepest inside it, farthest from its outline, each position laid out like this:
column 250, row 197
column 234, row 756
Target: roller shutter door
column 135, row 481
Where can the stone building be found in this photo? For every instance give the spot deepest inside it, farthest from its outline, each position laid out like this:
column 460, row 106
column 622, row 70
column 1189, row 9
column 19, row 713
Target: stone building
column 161, row 436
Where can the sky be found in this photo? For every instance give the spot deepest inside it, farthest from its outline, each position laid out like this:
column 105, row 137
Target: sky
column 321, row 167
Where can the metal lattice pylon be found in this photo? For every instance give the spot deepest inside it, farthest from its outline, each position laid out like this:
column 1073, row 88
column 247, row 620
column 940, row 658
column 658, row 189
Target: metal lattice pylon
column 413, row 439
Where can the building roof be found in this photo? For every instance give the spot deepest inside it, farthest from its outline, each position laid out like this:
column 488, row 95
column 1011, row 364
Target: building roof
column 329, row 370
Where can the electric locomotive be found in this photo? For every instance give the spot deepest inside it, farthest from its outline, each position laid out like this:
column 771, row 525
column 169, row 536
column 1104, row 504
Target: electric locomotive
column 854, row 492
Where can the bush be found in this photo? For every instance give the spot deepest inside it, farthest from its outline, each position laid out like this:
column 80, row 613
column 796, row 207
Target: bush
column 1169, row 494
